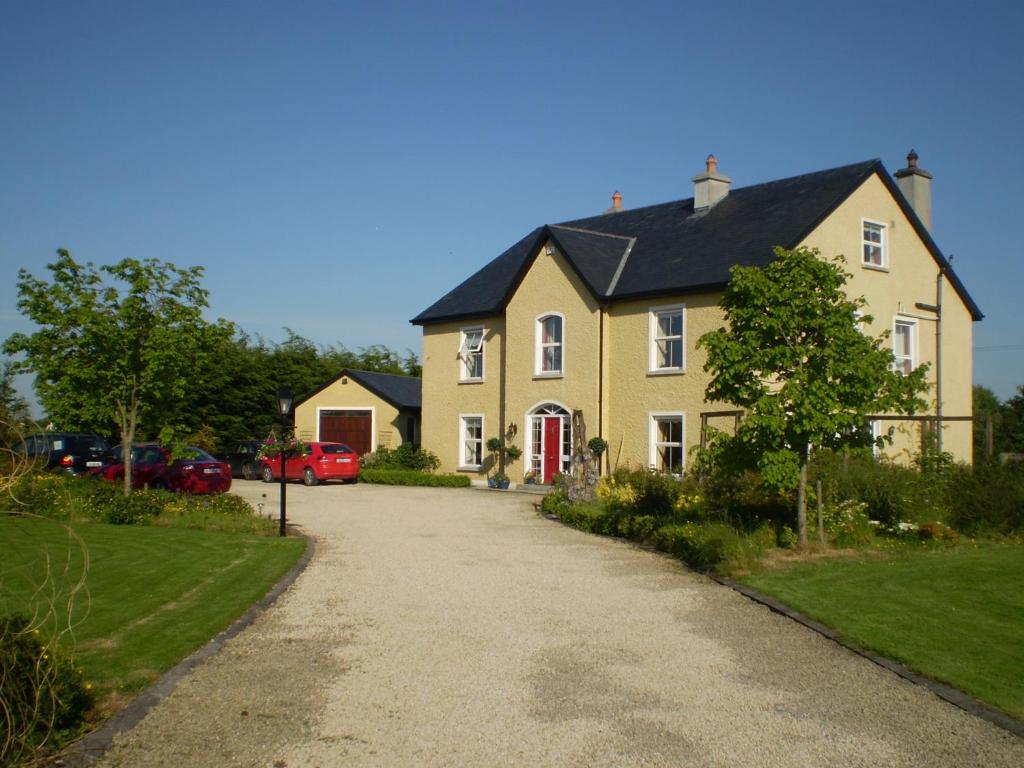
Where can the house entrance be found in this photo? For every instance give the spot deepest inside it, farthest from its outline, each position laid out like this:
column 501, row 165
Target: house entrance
column 550, row 445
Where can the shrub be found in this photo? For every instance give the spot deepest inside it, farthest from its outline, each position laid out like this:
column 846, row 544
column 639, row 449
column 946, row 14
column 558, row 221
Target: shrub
column 847, row 523
column 62, row 497
column 892, row 493
column 703, row 545
column 744, row 500
column 45, row 699
column 405, row 456
column 589, row 516
column 646, row 493
column 412, row 477
column 987, row 499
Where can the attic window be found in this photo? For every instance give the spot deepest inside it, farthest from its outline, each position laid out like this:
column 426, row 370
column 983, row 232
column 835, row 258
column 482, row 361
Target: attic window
column 471, row 353
column 874, row 245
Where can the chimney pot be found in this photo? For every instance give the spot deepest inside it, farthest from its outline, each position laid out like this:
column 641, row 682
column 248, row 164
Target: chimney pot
column 711, row 164
column 616, row 203
column 912, row 159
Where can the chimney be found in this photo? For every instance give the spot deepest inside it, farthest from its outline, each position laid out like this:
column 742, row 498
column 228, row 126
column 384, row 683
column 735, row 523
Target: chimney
column 616, row 203
column 709, row 187
column 916, row 185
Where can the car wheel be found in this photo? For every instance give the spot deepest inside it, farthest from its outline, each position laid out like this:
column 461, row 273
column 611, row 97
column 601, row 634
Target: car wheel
column 309, row 477
column 268, row 474
column 248, row 471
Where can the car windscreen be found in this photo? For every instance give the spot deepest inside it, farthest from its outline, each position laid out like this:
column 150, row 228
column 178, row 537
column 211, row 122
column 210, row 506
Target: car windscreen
column 195, row 454
column 336, row 448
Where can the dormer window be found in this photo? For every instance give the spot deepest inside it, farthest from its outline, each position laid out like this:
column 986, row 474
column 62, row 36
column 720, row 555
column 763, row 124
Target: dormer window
column 549, row 356
column 471, row 354
column 874, row 245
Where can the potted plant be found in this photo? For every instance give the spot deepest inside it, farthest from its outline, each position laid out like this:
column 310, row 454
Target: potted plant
column 498, row 480
column 530, row 478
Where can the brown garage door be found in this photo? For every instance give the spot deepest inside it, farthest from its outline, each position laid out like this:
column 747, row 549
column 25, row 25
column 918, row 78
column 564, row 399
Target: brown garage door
column 354, row 428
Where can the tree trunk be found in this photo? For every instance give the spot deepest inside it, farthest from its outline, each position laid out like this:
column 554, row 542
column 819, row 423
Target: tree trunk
column 801, row 502
column 127, row 419
column 821, row 516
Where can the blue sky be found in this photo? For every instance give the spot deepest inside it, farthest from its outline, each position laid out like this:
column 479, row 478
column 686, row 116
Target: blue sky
column 337, row 167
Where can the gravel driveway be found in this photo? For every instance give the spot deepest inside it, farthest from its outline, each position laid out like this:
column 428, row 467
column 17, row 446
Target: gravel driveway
column 441, row 627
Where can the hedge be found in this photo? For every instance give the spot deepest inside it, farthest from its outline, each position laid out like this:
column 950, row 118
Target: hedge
column 412, row 477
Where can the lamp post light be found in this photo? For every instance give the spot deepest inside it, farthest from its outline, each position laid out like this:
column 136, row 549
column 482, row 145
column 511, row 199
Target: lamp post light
column 284, row 402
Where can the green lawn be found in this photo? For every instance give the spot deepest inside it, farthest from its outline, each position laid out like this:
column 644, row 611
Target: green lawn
column 152, row 595
column 955, row 615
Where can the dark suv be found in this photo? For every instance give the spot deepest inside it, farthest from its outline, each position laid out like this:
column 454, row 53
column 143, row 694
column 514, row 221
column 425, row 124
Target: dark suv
column 77, row 453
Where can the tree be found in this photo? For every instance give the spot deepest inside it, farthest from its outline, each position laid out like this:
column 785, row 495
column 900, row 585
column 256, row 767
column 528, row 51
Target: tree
column 985, row 403
column 794, row 356
column 115, row 345
column 1011, row 437
column 14, row 411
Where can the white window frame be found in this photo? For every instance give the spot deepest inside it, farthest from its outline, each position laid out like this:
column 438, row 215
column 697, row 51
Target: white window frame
column 882, row 245
column 912, row 324
column 465, row 353
column 538, row 348
column 652, row 335
column 653, row 417
column 461, row 462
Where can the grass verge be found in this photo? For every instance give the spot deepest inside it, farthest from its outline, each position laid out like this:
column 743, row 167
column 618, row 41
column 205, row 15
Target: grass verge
column 149, row 596
column 955, row 615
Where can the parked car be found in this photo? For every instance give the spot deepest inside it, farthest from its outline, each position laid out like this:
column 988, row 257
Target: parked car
column 326, row 461
column 153, row 467
column 77, row 453
column 243, row 460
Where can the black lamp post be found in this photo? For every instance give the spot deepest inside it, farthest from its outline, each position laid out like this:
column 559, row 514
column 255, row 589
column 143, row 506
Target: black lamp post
column 284, row 402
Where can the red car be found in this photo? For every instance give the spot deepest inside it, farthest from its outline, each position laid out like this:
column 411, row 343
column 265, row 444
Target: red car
column 152, row 467
column 326, row 461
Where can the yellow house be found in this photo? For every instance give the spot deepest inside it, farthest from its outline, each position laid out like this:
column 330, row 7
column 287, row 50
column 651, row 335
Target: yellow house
column 601, row 315
column 363, row 409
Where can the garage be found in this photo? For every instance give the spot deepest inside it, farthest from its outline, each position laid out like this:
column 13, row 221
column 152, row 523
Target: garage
column 354, row 428
column 363, row 409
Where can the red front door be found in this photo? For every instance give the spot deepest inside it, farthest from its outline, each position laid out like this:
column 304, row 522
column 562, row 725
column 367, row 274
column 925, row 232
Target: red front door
column 552, row 461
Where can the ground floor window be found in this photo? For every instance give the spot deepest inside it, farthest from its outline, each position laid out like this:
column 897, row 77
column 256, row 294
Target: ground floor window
column 667, row 443
column 472, row 432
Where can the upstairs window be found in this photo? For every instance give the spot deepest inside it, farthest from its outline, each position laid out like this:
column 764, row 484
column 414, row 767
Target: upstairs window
column 549, row 354
column 667, row 335
column 874, row 245
column 471, row 354
column 904, row 341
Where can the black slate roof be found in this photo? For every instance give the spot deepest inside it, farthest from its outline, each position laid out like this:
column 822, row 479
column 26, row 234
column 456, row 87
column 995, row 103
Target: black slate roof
column 403, row 392
column 669, row 249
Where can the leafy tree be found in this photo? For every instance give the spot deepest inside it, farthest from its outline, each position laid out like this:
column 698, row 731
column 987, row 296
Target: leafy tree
column 1011, row 437
column 14, row 412
column 118, row 344
column 985, row 403
column 794, row 357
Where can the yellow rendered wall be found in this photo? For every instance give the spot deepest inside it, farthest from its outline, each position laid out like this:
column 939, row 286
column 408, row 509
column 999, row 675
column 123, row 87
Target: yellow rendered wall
column 909, row 278
column 445, row 397
column 551, row 286
column 388, row 423
column 634, row 392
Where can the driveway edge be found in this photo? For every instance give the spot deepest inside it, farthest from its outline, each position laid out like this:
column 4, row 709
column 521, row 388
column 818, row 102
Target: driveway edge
column 90, row 748
column 954, row 696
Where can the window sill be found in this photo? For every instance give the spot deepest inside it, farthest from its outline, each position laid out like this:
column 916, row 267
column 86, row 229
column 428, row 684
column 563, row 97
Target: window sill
column 471, row 381
column 666, row 372
column 553, row 375
column 469, row 468
column 876, row 267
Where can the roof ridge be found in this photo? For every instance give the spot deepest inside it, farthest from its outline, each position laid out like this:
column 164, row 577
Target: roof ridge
column 379, row 373
column 866, row 163
column 590, row 232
